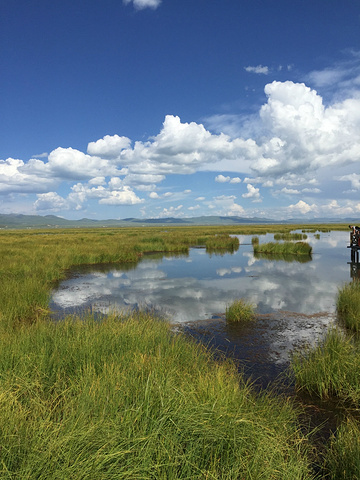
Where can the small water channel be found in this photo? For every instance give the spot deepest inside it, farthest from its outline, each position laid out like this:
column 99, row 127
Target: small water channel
column 295, row 300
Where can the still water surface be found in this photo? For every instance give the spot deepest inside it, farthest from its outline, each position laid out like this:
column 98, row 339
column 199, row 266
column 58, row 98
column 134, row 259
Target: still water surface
column 295, row 301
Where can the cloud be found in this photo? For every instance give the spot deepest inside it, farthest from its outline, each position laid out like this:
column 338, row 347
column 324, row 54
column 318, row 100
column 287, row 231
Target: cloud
column 222, row 179
column 171, row 212
column 353, row 178
column 183, row 148
column 225, row 205
column 141, row 4
column 258, row 69
column 51, row 201
column 252, row 193
column 302, row 207
column 235, row 180
column 108, row 146
column 14, row 178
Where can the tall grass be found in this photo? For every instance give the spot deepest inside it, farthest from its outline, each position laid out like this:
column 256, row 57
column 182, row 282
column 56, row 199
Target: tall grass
column 330, row 369
column 290, row 236
column 348, row 305
column 286, row 248
column 127, row 399
column 342, row 459
column 240, row 311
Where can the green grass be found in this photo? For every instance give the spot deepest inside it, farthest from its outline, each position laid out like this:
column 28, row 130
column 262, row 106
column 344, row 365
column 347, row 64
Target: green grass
column 348, row 305
column 240, row 311
column 286, row 248
column 127, row 399
column 330, row 369
column 290, row 236
column 342, row 459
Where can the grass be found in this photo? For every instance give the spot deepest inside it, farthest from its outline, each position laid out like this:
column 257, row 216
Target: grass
column 286, row 248
column 342, row 459
column 124, row 397
column 330, row 369
column 290, row 236
column 127, row 399
column 348, row 305
column 240, row 311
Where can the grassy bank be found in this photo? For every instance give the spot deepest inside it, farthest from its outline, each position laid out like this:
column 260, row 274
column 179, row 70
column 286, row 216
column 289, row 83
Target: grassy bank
column 125, row 398
column 348, row 305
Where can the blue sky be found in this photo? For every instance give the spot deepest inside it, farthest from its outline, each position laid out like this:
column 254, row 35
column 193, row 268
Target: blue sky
column 157, row 108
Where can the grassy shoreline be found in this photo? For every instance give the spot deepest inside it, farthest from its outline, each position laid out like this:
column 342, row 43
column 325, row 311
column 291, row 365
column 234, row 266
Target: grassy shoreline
column 124, row 398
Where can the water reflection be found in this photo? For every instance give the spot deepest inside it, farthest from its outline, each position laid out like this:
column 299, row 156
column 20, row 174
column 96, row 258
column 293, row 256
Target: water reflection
column 295, row 300
column 197, row 286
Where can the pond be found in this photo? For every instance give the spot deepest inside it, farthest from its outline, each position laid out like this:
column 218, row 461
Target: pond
column 295, row 300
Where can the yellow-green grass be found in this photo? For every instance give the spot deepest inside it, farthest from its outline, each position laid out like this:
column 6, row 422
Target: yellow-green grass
column 330, row 369
column 286, row 248
column 290, row 236
column 127, row 399
column 240, row 311
column 348, row 305
column 124, row 398
column 342, row 458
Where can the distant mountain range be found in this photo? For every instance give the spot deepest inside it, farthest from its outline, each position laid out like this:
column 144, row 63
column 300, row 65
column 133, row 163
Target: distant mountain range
column 9, row 221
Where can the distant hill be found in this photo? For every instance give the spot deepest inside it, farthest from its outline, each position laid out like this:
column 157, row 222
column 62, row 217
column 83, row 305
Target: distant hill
column 10, row 221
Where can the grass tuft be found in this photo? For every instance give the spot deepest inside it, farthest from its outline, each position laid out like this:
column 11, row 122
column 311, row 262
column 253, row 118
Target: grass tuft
column 240, row 311
column 348, row 305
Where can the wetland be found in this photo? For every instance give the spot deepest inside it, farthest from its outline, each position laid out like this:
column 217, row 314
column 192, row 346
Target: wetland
column 106, row 370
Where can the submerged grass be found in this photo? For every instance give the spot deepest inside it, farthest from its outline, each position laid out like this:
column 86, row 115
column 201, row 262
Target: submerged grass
column 125, row 398
column 348, row 305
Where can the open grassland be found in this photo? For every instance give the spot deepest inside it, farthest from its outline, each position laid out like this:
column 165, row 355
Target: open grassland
column 125, row 397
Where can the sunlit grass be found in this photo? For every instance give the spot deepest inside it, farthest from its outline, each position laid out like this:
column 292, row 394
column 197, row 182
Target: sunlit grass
column 286, row 248
column 342, row 459
column 125, row 398
column 348, row 305
column 330, row 369
column 240, row 311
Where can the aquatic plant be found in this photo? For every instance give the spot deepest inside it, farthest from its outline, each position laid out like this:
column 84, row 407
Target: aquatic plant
column 330, row 368
column 255, row 241
column 290, row 236
column 348, row 305
column 286, row 248
column 240, row 311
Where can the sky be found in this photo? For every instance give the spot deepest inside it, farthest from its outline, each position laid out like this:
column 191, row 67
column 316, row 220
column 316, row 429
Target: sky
column 180, row 108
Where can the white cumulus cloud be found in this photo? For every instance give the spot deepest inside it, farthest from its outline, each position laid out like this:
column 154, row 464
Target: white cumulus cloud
column 141, row 4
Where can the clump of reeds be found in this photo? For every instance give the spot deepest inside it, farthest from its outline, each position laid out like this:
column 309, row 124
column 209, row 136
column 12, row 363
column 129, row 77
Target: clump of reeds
column 330, row 368
column 240, row 311
column 342, row 458
column 348, row 305
column 290, row 236
column 220, row 243
column 255, row 240
column 286, row 248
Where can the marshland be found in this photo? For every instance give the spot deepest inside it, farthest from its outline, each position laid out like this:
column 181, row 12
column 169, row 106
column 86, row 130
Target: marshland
column 134, row 393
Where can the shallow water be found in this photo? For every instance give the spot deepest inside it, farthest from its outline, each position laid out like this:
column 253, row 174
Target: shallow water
column 295, row 301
